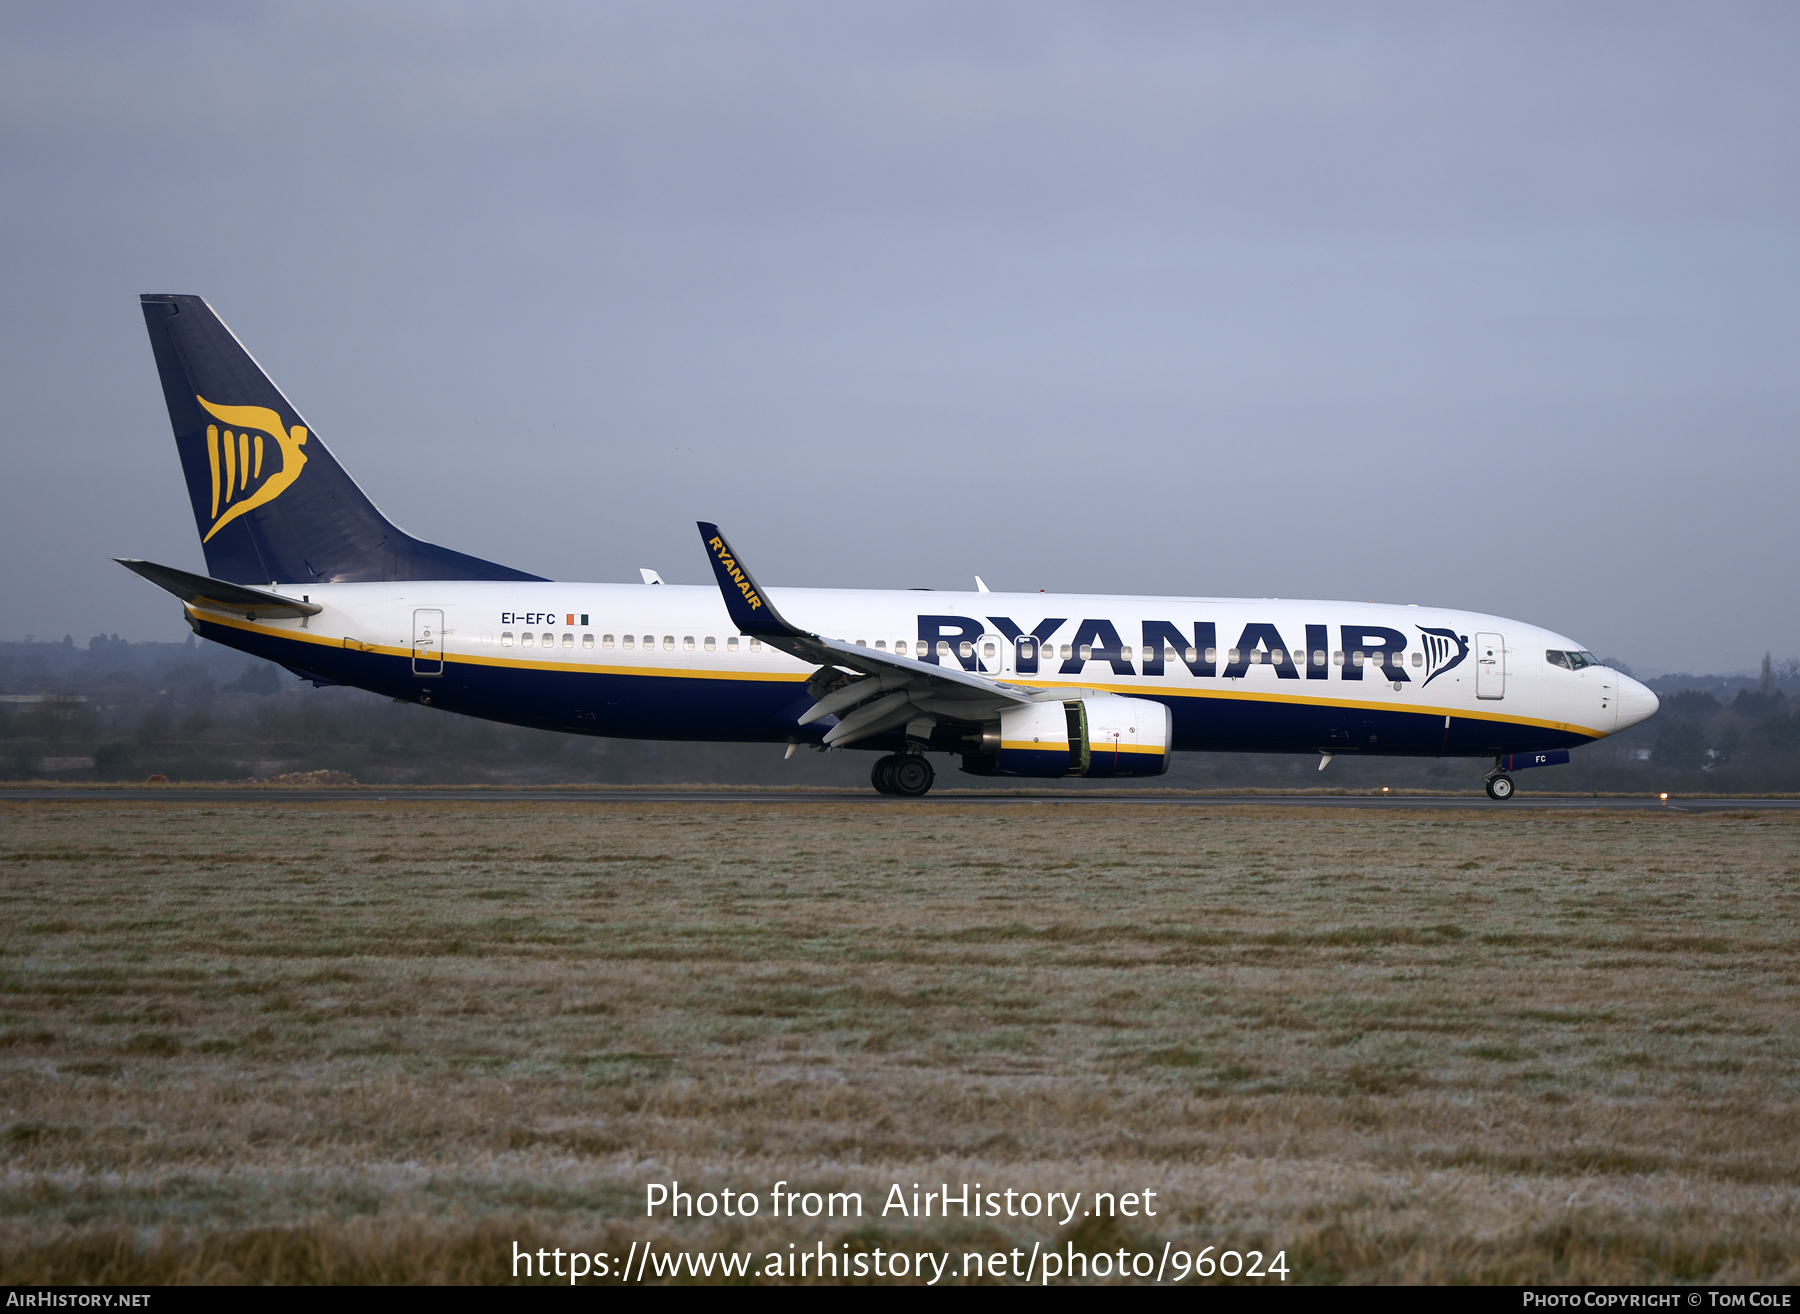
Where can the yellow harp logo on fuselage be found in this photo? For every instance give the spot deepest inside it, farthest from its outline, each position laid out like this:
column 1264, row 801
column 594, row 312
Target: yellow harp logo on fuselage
column 236, row 454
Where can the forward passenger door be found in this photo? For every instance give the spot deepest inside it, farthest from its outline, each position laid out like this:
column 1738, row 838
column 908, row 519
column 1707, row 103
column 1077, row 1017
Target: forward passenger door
column 1490, row 666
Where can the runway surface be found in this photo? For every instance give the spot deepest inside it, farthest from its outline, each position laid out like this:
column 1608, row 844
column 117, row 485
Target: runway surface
column 177, row 794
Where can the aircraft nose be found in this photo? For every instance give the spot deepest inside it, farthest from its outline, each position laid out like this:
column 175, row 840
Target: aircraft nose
column 1636, row 702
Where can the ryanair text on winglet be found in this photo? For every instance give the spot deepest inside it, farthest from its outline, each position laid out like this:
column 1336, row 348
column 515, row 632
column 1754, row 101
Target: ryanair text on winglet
column 718, row 546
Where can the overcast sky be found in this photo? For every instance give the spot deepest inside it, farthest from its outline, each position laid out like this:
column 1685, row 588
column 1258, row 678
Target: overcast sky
column 1491, row 306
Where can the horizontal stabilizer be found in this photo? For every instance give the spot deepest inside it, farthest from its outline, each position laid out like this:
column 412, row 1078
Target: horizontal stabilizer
column 217, row 595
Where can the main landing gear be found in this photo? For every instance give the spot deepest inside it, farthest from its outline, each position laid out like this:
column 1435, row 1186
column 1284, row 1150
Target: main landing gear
column 906, row 774
column 1499, row 788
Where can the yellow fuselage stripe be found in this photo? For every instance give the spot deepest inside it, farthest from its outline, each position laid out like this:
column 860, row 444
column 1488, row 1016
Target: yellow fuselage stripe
column 1127, row 690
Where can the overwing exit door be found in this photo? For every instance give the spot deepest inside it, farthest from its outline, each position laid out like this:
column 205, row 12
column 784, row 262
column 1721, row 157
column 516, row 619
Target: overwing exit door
column 996, row 654
column 1490, row 666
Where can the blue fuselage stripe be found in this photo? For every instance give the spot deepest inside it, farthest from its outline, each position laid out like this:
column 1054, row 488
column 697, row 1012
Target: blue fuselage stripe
column 722, row 709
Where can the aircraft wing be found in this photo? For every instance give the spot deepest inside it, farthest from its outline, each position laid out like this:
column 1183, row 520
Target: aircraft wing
column 887, row 690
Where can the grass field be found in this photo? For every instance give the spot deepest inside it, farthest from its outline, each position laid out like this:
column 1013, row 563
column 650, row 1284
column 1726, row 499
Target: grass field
column 383, row 1042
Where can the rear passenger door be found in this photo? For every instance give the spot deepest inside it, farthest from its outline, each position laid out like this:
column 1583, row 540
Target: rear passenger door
column 428, row 642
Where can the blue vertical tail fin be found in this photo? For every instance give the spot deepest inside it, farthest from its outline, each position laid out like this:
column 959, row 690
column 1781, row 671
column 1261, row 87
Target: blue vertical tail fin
column 271, row 502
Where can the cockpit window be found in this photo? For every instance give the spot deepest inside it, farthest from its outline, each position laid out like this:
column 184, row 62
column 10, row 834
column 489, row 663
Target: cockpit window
column 1556, row 658
column 1571, row 661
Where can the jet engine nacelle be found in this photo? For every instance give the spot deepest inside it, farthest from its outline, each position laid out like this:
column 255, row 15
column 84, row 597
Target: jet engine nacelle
column 1095, row 735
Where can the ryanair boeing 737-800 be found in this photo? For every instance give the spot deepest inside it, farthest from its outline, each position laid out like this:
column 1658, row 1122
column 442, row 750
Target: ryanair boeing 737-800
column 303, row 570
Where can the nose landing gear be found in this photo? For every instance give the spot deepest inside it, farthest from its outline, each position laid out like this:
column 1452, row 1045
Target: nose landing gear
column 906, row 774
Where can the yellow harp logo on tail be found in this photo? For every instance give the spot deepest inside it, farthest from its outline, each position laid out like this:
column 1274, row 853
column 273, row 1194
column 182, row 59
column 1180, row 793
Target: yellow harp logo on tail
column 236, row 456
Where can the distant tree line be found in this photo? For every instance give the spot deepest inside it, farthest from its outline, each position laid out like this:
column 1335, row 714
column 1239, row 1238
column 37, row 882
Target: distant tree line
column 195, row 711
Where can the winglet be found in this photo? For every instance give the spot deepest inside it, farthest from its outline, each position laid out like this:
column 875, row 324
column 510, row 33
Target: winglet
column 750, row 609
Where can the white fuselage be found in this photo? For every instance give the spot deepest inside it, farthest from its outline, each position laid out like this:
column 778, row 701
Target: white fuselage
column 665, row 661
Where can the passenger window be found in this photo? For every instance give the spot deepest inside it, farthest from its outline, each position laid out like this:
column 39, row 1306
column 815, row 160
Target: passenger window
column 1067, row 652
column 943, row 648
column 1149, row 654
column 756, row 645
column 1275, row 656
column 1212, row 656
column 1025, row 649
column 1256, row 656
column 881, row 645
column 548, row 640
column 987, row 650
column 731, row 644
column 1418, row 659
column 1299, row 659
column 965, row 649
column 587, row 641
column 569, row 641
column 1189, row 657
column 506, row 639
column 1318, row 657
column 669, row 642
column 1356, row 659
column 626, row 642
column 606, row 640
column 687, row 643
column 712, row 644
column 1087, row 652
column 900, row 646
column 862, row 643
column 525, row 640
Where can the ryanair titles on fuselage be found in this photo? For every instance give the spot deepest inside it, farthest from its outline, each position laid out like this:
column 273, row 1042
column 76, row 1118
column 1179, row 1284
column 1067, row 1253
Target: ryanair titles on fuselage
column 942, row 637
column 1164, row 645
